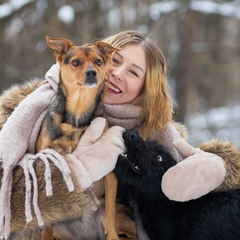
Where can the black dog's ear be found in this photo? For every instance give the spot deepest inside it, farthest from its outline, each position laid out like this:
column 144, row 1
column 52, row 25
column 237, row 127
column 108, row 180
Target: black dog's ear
column 60, row 46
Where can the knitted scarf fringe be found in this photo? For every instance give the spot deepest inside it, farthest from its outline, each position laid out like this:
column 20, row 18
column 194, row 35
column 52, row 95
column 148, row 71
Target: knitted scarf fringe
column 47, row 155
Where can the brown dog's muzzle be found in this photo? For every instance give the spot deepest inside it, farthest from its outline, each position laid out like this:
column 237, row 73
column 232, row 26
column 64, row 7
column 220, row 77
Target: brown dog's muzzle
column 91, row 79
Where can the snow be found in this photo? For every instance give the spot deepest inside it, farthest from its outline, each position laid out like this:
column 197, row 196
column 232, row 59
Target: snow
column 7, row 9
column 114, row 18
column 17, row 4
column 223, row 123
column 66, row 14
column 163, row 7
column 226, row 9
column 15, row 27
column 229, row 9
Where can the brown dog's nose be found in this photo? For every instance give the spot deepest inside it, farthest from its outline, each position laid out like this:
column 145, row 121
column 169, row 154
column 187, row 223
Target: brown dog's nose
column 91, row 79
column 91, row 74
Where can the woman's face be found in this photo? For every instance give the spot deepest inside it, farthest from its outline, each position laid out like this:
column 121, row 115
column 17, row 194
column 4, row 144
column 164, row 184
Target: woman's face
column 126, row 75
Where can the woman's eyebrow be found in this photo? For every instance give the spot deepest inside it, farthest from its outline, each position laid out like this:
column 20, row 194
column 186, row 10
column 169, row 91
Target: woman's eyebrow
column 135, row 65
column 119, row 55
column 138, row 68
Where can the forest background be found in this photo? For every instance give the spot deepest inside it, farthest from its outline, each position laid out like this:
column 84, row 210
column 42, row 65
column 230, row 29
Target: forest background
column 200, row 40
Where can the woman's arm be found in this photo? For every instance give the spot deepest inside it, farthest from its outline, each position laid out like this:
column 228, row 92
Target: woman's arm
column 11, row 98
column 61, row 206
column 231, row 156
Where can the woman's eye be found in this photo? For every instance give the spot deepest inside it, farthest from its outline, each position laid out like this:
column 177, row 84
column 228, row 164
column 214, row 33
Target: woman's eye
column 115, row 61
column 133, row 73
column 76, row 62
column 98, row 62
column 159, row 158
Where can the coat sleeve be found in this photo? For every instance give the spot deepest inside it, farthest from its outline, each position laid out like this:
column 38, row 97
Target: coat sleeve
column 231, row 156
column 60, row 207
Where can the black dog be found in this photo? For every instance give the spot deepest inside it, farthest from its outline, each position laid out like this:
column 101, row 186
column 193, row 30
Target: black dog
column 215, row 216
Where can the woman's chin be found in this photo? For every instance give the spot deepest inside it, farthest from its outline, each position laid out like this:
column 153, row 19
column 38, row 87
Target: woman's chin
column 109, row 98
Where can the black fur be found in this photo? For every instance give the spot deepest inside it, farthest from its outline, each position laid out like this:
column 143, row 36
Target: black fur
column 215, row 216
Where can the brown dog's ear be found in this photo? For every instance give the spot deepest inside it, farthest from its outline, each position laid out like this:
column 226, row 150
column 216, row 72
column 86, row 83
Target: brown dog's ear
column 60, row 46
column 105, row 48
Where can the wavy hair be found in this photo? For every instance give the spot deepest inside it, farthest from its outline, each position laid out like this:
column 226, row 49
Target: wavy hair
column 154, row 98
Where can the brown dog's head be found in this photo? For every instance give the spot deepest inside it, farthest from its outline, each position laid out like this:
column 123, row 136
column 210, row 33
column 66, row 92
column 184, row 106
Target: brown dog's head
column 81, row 65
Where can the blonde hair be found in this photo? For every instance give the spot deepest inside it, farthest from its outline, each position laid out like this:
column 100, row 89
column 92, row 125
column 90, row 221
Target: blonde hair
column 155, row 98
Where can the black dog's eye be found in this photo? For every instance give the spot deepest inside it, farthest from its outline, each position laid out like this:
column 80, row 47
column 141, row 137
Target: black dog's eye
column 98, row 62
column 159, row 158
column 76, row 62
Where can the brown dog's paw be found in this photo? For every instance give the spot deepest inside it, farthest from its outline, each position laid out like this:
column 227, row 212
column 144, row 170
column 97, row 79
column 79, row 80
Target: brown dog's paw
column 112, row 235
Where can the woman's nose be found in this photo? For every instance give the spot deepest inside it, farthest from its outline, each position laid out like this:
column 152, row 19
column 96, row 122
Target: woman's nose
column 118, row 73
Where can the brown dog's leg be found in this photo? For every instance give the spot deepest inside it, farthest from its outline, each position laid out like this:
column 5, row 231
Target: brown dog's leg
column 47, row 234
column 110, row 199
column 125, row 224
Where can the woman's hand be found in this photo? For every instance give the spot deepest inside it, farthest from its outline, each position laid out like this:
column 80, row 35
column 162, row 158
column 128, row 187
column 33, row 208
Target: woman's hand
column 198, row 174
column 97, row 152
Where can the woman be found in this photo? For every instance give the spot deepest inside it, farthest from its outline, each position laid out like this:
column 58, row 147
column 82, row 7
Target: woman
column 136, row 98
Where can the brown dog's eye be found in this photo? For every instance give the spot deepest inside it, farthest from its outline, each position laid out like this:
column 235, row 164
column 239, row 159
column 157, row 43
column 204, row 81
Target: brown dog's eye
column 76, row 62
column 98, row 62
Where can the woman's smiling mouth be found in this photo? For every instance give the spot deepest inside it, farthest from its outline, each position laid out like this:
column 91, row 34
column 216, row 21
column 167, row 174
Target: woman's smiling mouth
column 113, row 88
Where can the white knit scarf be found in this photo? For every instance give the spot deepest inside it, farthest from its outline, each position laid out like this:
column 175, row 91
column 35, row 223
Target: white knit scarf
column 17, row 147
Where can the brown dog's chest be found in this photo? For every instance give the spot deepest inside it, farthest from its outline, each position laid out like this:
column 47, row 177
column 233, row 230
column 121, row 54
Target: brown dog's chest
column 77, row 111
column 62, row 127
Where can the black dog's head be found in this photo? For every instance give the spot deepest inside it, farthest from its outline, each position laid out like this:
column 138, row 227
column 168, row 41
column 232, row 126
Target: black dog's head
column 143, row 164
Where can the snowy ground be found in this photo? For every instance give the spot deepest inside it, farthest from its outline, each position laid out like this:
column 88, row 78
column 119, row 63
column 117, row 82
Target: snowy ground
column 223, row 123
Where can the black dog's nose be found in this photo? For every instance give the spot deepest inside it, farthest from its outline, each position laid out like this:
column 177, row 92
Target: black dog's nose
column 131, row 135
column 91, row 73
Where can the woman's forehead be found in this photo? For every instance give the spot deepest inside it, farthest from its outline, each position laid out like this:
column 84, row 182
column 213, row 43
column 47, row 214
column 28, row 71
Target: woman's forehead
column 135, row 54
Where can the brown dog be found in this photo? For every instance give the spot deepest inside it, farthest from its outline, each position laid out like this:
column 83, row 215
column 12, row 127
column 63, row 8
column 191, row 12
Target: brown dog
column 78, row 100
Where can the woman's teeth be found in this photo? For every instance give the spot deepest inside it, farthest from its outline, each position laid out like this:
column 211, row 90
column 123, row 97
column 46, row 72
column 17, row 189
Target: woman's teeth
column 113, row 88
